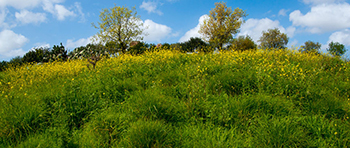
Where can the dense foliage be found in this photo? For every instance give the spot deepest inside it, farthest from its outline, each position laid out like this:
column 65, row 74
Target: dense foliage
column 273, row 39
column 312, row 47
column 165, row 98
column 118, row 26
column 336, row 49
column 222, row 23
column 243, row 43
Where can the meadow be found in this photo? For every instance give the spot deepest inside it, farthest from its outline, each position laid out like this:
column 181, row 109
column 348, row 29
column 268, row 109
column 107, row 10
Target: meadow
column 169, row 99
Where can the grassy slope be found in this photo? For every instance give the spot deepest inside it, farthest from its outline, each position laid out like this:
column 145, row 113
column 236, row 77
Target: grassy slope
column 168, row 99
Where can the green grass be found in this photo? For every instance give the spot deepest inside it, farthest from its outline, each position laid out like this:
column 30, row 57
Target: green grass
column 169, row 99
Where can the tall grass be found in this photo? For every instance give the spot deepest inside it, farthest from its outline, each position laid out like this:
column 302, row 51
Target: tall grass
column 170, row 99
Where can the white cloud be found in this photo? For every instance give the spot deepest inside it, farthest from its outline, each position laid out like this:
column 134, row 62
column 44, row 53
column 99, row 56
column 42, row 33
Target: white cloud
column 11, row 43
column 26, row 4
column 323, row 18
column 156, row 32
column 3, row 14
column 20, row 4
column 342, row 37
column 51, row 6
column 150, row 7
column 79, row 9
column 316, row 2
column 194, row 31
column 282, row 12
column 255, row 27
column 27, row 17
column 71, row 44
column 62, row 12
column 42, row 45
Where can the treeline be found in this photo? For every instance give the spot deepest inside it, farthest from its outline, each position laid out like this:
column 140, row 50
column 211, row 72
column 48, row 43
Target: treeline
column 60, row 53
column 219, row 31
column 194, row 45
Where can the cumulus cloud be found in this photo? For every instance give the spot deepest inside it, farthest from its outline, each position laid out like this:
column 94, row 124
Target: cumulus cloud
column 71, row 44
column 79, row 10
column 3, row 14
column 255, row 27
column 27, row 17
column 41, row 45
column 156, row 32
column 150, row 7
column 194, row 31
column 282, row 12
column 11, row 43
column 51, row 6
column 20, row 4
column 316, row 2
column 323, row 18
column 342, row 37
column 26, row 4
column 62, row 12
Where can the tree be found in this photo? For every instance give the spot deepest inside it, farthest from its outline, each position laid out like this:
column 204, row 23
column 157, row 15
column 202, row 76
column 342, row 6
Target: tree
column 193, row 44
column 273, row 39
column 222, row 24
column 88, row 51
column 336, row 49
column 3, row 65
column 119, row 25
column 243, row 43
column 36, row 55
column 312, row 47
column 15, row 62
column 138, row 48
column 58, row 53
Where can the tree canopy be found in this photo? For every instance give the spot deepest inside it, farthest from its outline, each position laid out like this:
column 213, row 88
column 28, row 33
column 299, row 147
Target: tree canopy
column 312, row 47
column 222, row 24
column 119, row 25
column 273, row 39
column 336, row 49
column 243, row 43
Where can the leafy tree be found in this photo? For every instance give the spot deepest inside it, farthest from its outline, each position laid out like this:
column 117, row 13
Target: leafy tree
column 177, row 46
column 88, row 51
column 119, row 25
column 138, row 49
column 165, row 46
column 36, row 55
column 193, row 44
column 112, row 46
column 222, row 24
column 3, row 65
column 58, row 52
column 273, row 39
column 15, row 62
column 243, row 43
column 312, row 47
column 336, row 49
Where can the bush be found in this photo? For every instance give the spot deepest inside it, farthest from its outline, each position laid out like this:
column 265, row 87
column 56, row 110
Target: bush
column 243, row 43
column 336, row 49
column 194, row 44
column 138, row 49
column 37, row 55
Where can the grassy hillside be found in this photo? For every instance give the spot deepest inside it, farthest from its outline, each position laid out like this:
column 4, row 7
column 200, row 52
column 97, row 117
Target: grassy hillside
column 170, row 99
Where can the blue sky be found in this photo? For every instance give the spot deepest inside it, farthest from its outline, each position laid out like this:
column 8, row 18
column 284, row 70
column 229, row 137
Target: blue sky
column 25, row 24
